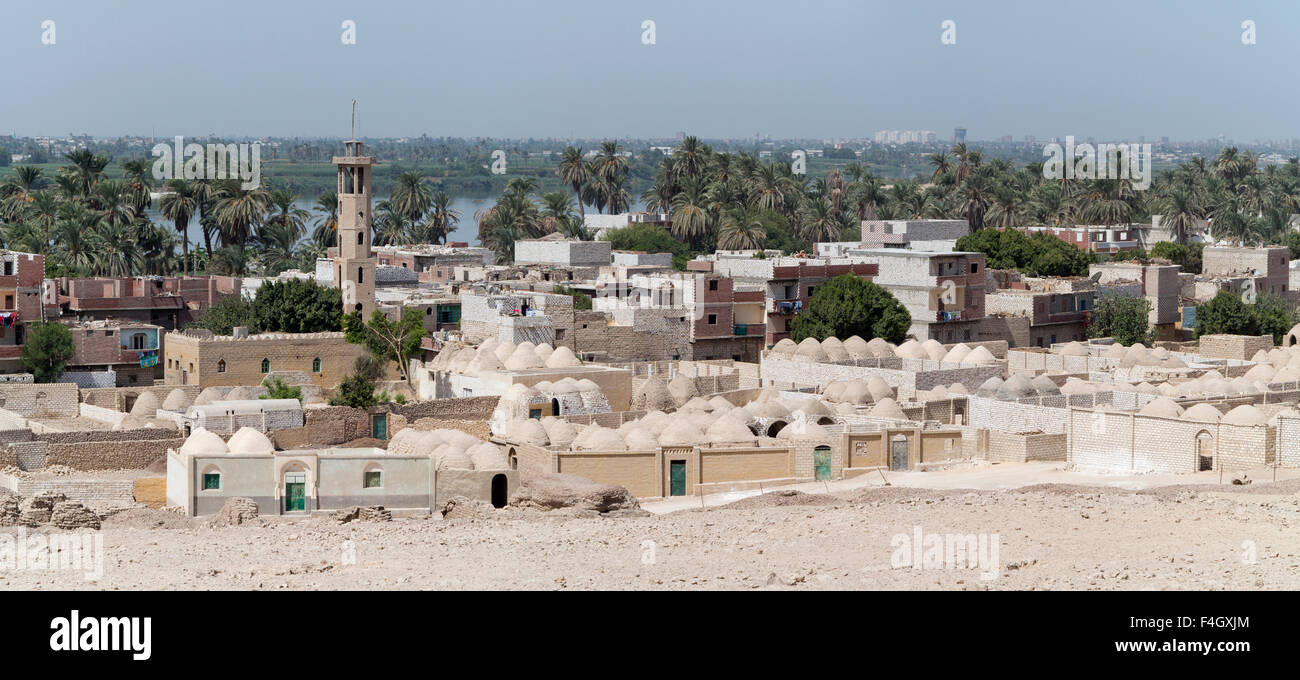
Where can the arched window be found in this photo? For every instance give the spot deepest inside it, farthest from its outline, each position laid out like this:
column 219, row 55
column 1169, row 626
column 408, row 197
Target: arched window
column 360, row 276
column 212, row 478
column 373, row 477
column 315, row 365
column 361, row 238
column 266, row 365
column 221, row 366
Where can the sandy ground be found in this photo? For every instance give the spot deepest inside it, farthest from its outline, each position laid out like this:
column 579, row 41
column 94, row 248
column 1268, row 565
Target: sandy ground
column 1193, row 535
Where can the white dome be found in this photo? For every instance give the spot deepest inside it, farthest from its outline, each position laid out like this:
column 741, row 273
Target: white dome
column 1244, row 415
column 487, row 456
column 911, row 350
column 980, row 356
column 1202, row 413
column 528, row 431
column 203, row 442
column 560, row 432
column 638, row 438
column 957, row 353
column 562, row 357
column 250, row 442
column 857, row 348
column 681, row 432
column 811, row 350
column 176, row 400
column 888, row 408
column 146, row 405
column 785, row 347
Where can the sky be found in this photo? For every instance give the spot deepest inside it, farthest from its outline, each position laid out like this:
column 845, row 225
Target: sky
column 823, row 69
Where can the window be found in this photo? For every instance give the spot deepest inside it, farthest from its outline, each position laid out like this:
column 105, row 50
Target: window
column 212, row 481
column 9, row 302
column 535, row 413
column 974, row 268
column 266, row 365
column 221, row 366
column 559, row 334
column 374, row 479
column 360, row 237
column 360, row 277
column 713, row 319
column 713, row 284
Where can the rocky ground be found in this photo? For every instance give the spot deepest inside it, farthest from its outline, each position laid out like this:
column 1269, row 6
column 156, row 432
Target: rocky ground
column 1048, row 536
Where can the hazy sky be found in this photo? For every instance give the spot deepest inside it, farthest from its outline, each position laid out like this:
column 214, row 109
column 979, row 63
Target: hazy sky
column 1113, row 69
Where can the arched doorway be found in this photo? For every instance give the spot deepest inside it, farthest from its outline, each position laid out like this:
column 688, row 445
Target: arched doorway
column 514, row 459
column 499, row 492
column 555, row 406
column 1204, row 451
column 826, row 420
column 294, row 486
column 775, row 427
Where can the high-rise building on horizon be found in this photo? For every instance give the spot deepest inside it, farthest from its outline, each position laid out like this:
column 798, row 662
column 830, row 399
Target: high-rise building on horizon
column 958, row 135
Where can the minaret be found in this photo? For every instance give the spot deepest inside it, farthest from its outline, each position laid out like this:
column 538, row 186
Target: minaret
column 354, row 268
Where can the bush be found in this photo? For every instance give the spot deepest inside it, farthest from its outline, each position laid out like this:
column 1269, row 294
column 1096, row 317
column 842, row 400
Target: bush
column 47, row 351
column 1040, row 254
column 848, row 305
column 356, row 391
column 1123, row 317
column 650, row 238
column 1228, row 313
column 297, row 306
column 581, row 301
column 276, row 389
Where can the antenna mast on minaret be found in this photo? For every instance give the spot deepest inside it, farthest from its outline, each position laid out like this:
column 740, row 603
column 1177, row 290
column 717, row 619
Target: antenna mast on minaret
column 354, row 120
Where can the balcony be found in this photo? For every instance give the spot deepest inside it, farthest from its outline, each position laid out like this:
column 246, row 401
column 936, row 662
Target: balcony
column 785, row 306
column 948, row 316
column 749, row 329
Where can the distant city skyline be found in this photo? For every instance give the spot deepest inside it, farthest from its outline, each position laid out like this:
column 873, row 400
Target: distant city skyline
column 830, row 69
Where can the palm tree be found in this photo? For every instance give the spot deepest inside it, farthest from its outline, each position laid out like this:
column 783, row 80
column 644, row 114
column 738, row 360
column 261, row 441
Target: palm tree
column 411, row 196
column 557, row 213
column 818, row 221
column 327, row 225
column 441, row 220
column 690, row 158
column 88, row 168
column 690, row 214
column 1180, row 212
column 276, row 243
column 740, row 230
column 239, row 211
column 116, row 252
column 110, row 197
column 974, row 195
column 179, row 206
column 139, row 183
column 940, row 161
column 573, row 171
column 610, row 164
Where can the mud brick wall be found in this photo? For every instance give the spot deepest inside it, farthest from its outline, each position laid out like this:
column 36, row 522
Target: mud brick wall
column 471, row 408
column 1234, row 346
column 95, row 493
column 152, row 491
column 117, row 455
column 40, row 400
column 140, row 434
column 115, row 397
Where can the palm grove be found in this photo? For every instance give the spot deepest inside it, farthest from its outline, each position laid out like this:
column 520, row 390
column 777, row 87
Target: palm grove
column 87, row 223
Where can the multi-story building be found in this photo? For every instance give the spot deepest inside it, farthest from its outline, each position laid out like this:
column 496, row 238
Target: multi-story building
column 1040, row 312
column 1259, row 271
column 787, row 282
column 170, row 302
column 434, row 263
column 943, row 291
column 898, row 234
column 197, row 357
column 1158, row 283
column 21, row 277
column 724, row 321
column 1097, row 239
column 114, row 354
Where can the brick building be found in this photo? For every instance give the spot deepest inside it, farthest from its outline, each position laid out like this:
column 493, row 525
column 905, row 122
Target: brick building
column 114, row 354
column 170, row 302
column 787, row 282
column 197, row 357
column 944, row 292
column 1096, row 239
column 433, row 263
column 21, row 278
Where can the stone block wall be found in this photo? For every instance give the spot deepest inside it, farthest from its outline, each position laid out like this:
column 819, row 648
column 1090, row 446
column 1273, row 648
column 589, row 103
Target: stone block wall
column 46, row 400
column 1234, row 346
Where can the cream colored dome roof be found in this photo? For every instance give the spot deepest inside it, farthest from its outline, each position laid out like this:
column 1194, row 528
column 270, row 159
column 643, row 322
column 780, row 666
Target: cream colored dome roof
column 1163, row 407
column 785, row 347
column 638, row 438
column 911, row 350
column 857, row 347
column 888, row 408
column 203, row 442
column 1244, row 415
column 146, row 405
column 487, row 456
column 811, row 350
column 1202, row 413
column 979, row 356
column 248, row 441
column 176, row 400
column 562, row 357
column 681, row 432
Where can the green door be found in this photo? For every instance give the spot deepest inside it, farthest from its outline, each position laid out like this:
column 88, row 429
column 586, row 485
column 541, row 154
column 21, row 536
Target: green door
column 822, row 462
column 677, row 478
column 379, row 426
column 295, row 496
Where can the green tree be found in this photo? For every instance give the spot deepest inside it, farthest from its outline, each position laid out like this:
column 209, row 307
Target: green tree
column 1038, row 255
column 394, row 341
column 581, row 301
column 1225, row 313
column 276, row 389
column 651, row 239
column 230, row 311
column 356, row 391
column 297, row 306
column 1123, row 317
column 848, row 305
column 47, row 351
column 1274, row 316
